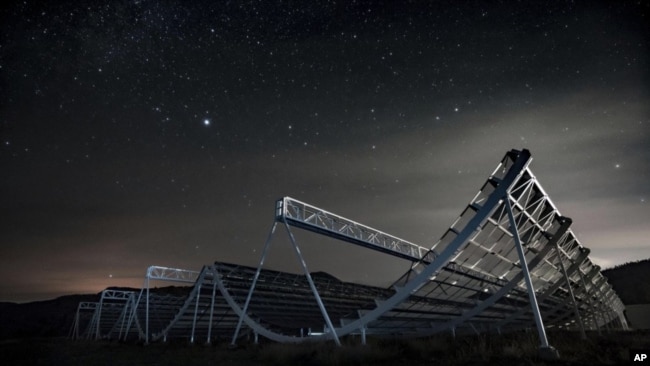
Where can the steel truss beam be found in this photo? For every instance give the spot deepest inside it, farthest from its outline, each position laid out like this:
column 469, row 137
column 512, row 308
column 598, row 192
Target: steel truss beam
column 529, row 283
column 171, row 274
column 312, row 218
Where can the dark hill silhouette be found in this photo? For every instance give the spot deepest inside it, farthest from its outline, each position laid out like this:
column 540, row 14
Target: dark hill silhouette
column 630, row 281
column 53, row 318
column 50, row 318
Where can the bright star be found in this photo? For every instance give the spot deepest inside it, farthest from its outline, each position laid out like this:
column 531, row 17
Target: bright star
column 206, row 122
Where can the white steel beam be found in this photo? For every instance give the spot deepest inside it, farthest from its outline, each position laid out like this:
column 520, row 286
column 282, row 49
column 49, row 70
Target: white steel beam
column 328, row 321
column 312, row 218
column 255, row 278
column 529, row 283
column 214, row 294
column 172, row 274
column 583, row 335
column 196, row 311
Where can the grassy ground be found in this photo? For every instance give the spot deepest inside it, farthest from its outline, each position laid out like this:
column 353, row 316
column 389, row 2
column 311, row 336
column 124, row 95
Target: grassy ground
column 513, row 349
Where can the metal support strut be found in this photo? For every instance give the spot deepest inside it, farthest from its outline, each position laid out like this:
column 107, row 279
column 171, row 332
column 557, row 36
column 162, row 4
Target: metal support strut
column 328, row 321
column 250, row 292
column 546, row 351
column 583, row 335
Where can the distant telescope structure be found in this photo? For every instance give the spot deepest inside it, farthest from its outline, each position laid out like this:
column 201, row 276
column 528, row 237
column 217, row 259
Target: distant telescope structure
column 510, row 261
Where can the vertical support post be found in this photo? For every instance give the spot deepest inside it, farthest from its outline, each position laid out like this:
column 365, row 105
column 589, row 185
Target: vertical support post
column 608, row 316
column 603, row 315
column 313, row 286
column 621, row 316
column 196, row 310
column 544, row 348
column 133, row 308
column 363, row 335
column 99, row 315
column 91, row 326
column 124, row 312
column 589, row 303
column 133, row 314
column 214, row 293
column 601, row 311
column 583, row 335
column 600, row 307
column 146, row 339
column 75, row 326
column 257, row 275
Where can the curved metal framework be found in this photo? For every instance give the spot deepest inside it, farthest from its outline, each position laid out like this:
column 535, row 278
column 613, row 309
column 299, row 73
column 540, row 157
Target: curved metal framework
column 510, row 261
column 108, row 318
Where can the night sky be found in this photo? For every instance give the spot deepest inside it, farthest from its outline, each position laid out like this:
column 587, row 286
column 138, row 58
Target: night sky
column 138, row 133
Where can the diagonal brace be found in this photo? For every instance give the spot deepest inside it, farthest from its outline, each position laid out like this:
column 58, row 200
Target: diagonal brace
column 529, row 283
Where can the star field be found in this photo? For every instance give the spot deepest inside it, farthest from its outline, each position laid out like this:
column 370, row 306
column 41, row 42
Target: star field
column 137, row 133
